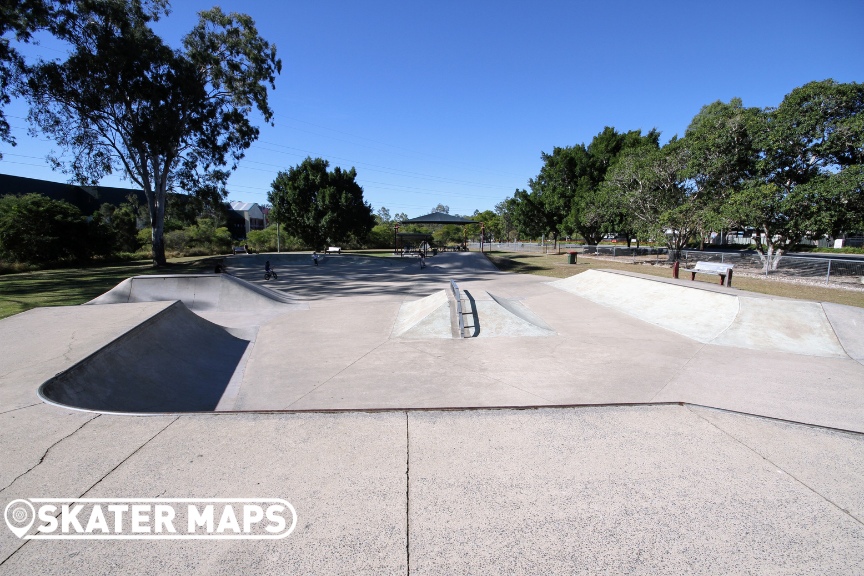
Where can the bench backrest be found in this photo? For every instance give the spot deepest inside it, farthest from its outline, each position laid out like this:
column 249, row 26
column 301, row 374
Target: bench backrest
column 712, row 267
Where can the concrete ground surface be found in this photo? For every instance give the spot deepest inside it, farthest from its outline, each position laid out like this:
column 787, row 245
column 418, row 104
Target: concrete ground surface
column 404, row 451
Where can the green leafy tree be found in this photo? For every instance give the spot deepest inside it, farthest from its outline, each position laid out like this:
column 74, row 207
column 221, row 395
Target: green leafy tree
column 319, row 206
column 34, row 228
column 167, row 119
column 809, row 168
column 19, row 20
column 448, row 234
column 504, row 211
column 658, row 200
column 382, row 216
column 120, row 224
column 566, row 195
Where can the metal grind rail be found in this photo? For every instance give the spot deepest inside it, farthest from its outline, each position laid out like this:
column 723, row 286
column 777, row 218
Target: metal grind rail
column 458, row 296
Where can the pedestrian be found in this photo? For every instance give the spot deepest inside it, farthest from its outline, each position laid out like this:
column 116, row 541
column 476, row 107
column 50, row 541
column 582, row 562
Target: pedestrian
column 315, row 258
column 422, row 261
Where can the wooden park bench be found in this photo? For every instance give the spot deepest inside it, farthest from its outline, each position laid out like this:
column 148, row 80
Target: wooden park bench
column 334, row 250
column 722, row 270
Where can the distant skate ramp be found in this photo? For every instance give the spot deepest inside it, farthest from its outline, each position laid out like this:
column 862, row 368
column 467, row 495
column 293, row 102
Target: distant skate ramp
column 768, row 324
column 173, row 362
column 200, row 293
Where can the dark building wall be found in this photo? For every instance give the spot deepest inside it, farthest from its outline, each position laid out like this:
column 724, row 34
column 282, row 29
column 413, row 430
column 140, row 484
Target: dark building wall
column 88, row 199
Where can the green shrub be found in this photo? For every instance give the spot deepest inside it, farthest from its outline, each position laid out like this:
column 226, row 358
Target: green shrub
column 201, row 239
column 265, row 240
column 36, row 229
column 381, row 236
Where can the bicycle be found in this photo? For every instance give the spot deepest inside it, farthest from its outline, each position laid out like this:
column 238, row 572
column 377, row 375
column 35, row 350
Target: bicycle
column 270, row 274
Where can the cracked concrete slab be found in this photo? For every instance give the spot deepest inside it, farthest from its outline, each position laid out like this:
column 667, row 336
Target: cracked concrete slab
column 344, row 474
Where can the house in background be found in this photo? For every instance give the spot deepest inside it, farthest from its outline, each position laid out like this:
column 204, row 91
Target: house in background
column 245, row 217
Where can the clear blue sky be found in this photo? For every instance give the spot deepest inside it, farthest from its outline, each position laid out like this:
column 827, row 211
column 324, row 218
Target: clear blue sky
column 453, row 102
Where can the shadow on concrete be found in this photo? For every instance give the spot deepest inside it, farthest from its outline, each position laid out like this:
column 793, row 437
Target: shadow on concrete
column 351, row 275
column 174, row 362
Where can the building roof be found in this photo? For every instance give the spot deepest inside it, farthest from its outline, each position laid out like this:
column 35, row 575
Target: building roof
column 242, row 206
column 439, row 218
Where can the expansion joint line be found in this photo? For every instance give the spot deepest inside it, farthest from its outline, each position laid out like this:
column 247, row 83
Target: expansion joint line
column 795, row 478
column 338, row 373
column 407, row 497
column 675, row 375
column 82, row 495
column 22, row 407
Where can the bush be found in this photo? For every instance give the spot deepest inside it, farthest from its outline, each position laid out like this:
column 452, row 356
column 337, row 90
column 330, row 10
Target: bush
column 36, row 229
column 265, row 240
column 201, row 239
column 381, row 236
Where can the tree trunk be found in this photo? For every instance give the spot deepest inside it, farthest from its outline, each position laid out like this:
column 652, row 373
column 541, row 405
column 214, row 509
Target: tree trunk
column 157, row 226
column 158, row 244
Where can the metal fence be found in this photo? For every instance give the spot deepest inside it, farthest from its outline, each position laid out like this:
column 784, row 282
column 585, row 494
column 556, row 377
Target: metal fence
column 829, row 270
column 847, row 271
column 533, row 247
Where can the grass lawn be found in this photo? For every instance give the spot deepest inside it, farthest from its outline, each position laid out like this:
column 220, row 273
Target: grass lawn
column 557, row 267
column 68, row 286
column 380, row 252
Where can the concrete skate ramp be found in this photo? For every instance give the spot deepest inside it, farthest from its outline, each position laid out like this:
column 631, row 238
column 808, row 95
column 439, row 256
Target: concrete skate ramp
column 848, row 324
column 173, row 362
column 697, row 314
column 781, row 325
column 521, row 311
column 499, row 317
column 199, row 292
column 428, row 317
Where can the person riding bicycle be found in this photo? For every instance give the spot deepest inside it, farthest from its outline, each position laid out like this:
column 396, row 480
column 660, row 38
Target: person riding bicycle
column 267, row 266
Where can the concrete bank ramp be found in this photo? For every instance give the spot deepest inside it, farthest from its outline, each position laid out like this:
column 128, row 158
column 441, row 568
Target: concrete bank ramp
column 199, row 292
column 428, row 317
column 498, row 317
column 175, row 361
column 755, row 323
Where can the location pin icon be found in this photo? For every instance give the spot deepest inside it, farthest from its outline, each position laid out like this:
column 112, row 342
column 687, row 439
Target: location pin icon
column 19, row 516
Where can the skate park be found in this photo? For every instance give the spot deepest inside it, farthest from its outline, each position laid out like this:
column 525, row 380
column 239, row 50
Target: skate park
column 611, row 420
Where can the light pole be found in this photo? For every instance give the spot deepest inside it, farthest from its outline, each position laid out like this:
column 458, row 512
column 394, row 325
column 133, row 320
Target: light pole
column 482, row 235
column 395, row 242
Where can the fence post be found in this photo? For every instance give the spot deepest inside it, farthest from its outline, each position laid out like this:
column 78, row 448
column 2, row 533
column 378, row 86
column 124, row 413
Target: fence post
column 828, row 277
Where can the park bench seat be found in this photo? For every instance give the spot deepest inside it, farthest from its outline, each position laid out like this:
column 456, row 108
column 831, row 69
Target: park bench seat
column 334, row 250
column 722, row 270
